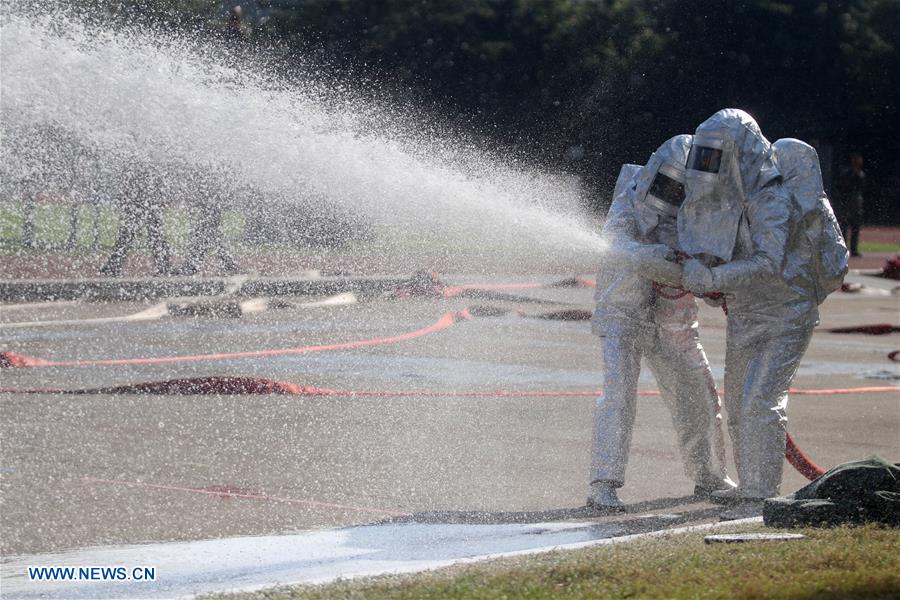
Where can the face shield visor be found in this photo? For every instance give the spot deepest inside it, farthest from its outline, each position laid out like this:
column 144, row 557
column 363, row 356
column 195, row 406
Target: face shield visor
column 705, row 155
column 666, row 193
column 704, row 172
column 708, row 221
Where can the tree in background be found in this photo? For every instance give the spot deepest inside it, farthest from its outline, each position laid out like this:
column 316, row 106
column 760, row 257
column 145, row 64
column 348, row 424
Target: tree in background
column 586, row 86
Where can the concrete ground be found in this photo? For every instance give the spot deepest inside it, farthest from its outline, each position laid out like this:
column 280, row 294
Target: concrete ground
column 84, row 470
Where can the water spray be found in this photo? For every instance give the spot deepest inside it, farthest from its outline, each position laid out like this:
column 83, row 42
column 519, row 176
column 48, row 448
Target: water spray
column 81, row 101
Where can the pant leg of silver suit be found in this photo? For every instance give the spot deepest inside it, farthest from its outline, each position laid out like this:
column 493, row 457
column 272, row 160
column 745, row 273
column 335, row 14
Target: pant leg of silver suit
column 615, row 409
column 688, row 388
column 760, row 364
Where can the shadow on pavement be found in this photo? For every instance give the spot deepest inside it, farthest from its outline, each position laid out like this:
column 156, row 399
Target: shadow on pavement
column 646, row 521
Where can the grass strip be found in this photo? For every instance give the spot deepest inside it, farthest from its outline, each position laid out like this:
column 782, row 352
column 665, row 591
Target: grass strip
column 845, row 562
column 878, row 247
column 96, row 232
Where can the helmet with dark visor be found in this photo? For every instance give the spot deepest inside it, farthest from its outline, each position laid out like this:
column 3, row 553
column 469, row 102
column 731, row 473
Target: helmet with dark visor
column 666, row 193
column 705, row 155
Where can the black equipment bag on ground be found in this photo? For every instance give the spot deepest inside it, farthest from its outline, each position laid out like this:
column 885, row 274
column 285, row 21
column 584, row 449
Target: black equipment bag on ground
column 862, row 491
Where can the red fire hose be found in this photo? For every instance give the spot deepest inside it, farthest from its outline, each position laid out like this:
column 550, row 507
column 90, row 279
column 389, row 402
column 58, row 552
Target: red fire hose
column 240, row 385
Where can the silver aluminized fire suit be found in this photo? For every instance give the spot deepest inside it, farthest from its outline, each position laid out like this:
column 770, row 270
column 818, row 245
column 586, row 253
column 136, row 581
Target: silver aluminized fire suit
column 636, row 320
column 742, row 225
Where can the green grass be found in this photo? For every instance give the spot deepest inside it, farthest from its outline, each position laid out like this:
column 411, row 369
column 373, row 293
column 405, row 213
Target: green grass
column 865, row 246
column 844, row 562
column 52, row 226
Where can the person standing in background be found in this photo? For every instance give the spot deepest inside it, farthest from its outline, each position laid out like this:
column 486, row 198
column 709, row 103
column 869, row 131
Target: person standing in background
column 234, row 31
column 142, row 208
column 849, row 197
column 208, row 236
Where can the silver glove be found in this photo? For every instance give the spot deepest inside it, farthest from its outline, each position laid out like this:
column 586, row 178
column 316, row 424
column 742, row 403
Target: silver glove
column 697, row 277
column 653, row 252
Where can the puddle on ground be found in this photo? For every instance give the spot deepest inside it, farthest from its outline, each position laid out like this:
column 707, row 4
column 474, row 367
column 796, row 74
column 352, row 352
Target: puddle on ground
column 246, row 563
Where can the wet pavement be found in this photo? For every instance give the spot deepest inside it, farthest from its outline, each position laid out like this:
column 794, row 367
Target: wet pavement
column 89, row 470
column 184, row 569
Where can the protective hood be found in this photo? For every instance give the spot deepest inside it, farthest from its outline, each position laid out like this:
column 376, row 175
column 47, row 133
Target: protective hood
column 729, row 161
column 798, row 163
column 625, row 180
column 659, row 184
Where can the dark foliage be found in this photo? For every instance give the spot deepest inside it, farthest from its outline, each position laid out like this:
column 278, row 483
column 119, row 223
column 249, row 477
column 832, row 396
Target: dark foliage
column 587, row 85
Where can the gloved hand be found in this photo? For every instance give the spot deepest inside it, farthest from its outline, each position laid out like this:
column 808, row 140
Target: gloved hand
column 697, row 278
column 657, row 263
column 656, row 252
